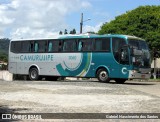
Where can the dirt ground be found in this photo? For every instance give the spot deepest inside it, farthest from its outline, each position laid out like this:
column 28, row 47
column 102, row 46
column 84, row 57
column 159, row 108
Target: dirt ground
column 79, row 97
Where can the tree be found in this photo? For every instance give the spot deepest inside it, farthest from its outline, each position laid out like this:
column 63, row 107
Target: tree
column 60, row 33
column 65, row 31
column 73, row 31
column 141, row 22
column 4, row 47
column 3, row 57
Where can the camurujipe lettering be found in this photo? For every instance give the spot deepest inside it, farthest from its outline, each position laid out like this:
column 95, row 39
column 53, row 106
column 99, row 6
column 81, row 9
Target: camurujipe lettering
column 36, row 57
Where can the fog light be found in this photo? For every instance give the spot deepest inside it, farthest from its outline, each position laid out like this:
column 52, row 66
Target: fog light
column 134, row 71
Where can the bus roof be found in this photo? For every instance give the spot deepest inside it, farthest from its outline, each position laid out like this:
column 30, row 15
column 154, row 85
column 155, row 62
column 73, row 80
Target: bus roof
column 87, row 35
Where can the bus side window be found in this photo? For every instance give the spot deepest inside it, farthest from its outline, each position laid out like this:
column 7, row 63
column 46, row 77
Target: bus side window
column 16, row 47
column 80, row 46
column 102, row 44
column 50, row 47
column 86, row 45
column 35, row 47
column 69, row 45
column 64, row 46
column 54, row 46
column 42, row 45
column 98, row 45
column 25, row 47
column 31, row 47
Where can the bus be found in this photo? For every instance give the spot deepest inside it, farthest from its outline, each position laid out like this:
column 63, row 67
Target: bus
column 106, row 57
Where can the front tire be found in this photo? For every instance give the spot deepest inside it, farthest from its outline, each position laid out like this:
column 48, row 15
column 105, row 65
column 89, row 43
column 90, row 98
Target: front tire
column 33, row 74
column 103, row 76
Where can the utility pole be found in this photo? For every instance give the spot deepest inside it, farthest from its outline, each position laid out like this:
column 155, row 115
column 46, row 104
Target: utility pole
column 81, row 23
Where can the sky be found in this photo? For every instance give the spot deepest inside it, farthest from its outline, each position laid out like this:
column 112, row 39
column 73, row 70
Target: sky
column 45, row 18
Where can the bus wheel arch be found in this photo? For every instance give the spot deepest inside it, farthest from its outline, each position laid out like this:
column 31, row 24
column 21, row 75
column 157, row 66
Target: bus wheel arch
column 102, row 73
column 33, row 73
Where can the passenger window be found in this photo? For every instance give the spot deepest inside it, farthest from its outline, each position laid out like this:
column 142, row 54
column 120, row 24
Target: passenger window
column 80, row 46
column 53, row 46
column 85, row 45
column 31, row 47
column 102, row 44
column 26, row 47
column 36, row 47
column 16, row 47
column 69, row 45
column 50, row 47
column 40, row 46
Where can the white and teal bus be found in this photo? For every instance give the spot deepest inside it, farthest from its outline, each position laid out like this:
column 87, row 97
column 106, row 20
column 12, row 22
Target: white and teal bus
column 106, row 57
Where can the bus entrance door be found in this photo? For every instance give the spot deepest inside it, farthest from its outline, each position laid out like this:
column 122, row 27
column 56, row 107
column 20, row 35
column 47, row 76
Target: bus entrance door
column 124, row 62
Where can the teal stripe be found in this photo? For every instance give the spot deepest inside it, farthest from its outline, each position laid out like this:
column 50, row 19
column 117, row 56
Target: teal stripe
column 61, row 70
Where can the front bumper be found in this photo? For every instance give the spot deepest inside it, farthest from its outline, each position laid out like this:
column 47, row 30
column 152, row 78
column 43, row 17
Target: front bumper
column 138, row 75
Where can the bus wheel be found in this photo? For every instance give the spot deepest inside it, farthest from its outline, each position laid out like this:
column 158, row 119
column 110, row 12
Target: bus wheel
column 33, row 74
column 120, row 81
column 103, row 76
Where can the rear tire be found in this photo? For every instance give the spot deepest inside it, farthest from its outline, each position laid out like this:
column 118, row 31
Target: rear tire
column 33, row 74
column 103, row 76
column 120, row 81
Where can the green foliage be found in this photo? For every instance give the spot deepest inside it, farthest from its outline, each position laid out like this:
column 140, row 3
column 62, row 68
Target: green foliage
column 3, row 57
column 65, row 31
column 4, row 47
column 73, row 31
column 60, row 33
column 143, row 22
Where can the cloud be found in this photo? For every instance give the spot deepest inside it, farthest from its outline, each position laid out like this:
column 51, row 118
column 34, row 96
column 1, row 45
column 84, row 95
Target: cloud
column 36, row 18
column 86, row 4
column 95, row 28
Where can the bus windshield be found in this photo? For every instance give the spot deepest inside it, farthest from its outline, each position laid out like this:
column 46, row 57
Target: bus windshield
column 140, row 53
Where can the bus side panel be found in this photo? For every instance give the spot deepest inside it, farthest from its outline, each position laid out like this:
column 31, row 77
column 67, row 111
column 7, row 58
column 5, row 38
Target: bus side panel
column 20, row 68
column 12, row 67
column 73, row 64
column 106, row 60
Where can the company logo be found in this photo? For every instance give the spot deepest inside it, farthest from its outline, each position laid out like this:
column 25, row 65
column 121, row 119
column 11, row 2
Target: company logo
column 124, row 70
column 6, row 116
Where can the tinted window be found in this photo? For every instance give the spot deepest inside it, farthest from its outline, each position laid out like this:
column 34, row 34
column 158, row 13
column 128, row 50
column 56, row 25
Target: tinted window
column 117, row 44
column 102, row 44
column 16, row 47
column 143, row 45
column 53, row 46
column 26, row 47
column 40, row 46
column 138, row 44
column 85, row 45
column 134, row 44
column 69, row 45
column 36, row 47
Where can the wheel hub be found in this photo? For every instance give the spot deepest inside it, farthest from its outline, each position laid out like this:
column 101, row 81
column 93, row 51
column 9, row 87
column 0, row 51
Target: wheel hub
column 103, row 75
column 33, row 74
